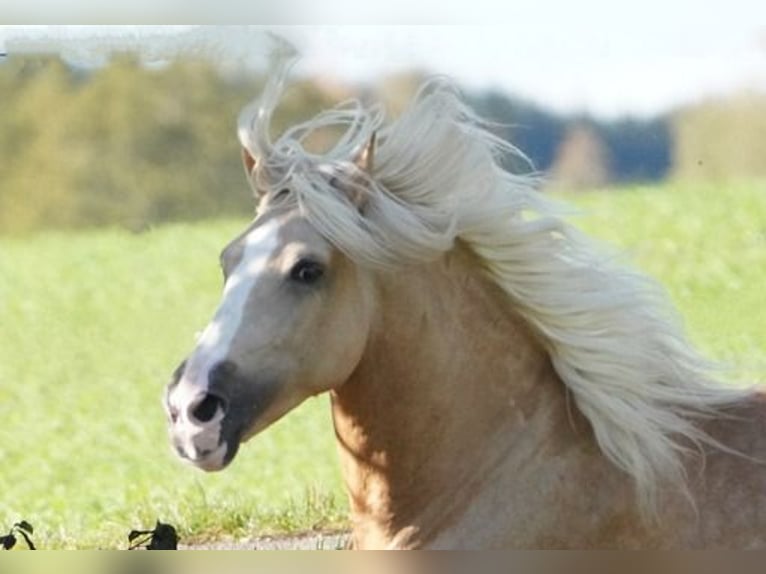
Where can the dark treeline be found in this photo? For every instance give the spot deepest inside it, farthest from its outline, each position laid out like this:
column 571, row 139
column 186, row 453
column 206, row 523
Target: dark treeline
column 634, row 150
column 134, row 146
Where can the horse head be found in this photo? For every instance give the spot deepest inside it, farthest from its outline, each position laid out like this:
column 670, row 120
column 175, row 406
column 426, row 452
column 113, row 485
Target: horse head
column 291, row 324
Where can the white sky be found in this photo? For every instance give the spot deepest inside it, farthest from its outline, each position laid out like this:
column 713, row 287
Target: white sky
column 628, row 64
column 609, row 59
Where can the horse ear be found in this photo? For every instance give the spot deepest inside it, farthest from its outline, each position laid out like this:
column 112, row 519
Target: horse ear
column 364, row 162
column 366, row 158
column 248, row 161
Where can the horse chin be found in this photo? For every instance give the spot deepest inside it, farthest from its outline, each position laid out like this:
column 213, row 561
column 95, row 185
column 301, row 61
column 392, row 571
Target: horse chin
column 235, row 434
column 219, row 459
column 260, row 422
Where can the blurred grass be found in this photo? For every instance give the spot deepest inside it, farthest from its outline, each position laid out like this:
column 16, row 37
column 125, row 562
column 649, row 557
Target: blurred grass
column 92, row 326
column 93, row 323
column 707, row 245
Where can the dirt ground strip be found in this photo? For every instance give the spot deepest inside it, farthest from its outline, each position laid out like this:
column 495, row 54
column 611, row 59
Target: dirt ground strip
column 309, row 541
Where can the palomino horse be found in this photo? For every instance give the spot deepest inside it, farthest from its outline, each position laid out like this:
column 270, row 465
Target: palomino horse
column 496, row 381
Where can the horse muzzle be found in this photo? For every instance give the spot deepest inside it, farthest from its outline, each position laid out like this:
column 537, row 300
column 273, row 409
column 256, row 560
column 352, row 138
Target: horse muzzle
column 199, row 435
column 207, row 459
column 207, row 423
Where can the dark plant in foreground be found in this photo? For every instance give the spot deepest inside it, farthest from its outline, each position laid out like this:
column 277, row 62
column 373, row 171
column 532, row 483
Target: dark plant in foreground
column 23, row 528
column 163, row 537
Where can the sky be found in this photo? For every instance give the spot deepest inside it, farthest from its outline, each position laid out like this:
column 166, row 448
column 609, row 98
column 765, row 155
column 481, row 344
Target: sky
column 621, row 58
column 631, row 66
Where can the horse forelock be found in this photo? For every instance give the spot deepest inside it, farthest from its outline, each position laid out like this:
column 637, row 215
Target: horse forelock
column 437, row 177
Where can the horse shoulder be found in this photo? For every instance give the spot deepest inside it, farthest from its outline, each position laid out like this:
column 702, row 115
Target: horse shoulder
column 729, row 484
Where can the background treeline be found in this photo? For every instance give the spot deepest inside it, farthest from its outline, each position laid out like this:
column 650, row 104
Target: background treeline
column 718, row 140
column 124, row 145
column 135, row 146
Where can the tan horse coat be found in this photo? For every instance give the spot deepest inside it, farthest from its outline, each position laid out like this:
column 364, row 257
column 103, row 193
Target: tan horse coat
column 423, row 435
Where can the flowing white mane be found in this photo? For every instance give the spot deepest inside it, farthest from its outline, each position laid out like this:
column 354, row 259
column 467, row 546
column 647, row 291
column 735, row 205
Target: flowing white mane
column 610, row 333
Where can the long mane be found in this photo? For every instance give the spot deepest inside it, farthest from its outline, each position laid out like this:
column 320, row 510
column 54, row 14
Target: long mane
column 611, row 334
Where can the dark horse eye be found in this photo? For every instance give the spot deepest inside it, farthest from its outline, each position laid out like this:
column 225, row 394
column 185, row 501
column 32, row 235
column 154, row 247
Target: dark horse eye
column 281, row 194
column 307, row 272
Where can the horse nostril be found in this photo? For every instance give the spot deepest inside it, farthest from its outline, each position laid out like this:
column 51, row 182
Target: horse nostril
column 205, row 410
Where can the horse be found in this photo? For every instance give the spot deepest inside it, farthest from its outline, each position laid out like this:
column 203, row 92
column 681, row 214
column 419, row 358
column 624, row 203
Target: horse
column 496, row 378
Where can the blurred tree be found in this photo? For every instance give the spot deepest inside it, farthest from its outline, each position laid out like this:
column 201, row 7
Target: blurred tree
column 397, row 90
column 722, row 139
column 639, row 150
column 536, row 132
column 133, row 145
column 582, row 160
column 35, row 172
column 126, row 144
column 156, row 145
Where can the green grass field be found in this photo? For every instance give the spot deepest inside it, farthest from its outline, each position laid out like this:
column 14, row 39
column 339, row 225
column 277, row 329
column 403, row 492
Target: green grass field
column 93, row 323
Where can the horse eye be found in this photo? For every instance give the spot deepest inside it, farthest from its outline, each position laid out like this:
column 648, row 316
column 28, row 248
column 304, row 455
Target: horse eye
column 281, row 194
column 307, row 272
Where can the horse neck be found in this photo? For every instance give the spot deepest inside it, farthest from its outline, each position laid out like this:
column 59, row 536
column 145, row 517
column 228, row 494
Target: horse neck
column 448, row 374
